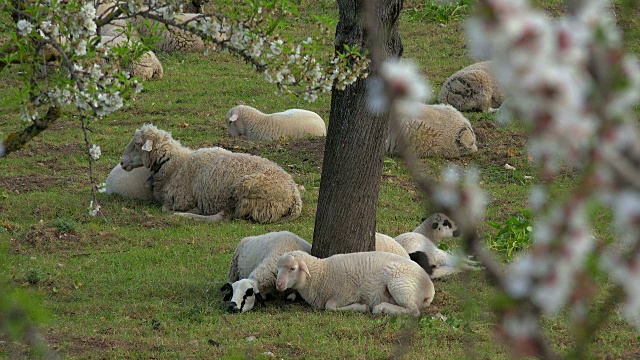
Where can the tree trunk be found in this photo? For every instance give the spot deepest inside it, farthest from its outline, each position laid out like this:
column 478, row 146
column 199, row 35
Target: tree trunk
column 354, row 149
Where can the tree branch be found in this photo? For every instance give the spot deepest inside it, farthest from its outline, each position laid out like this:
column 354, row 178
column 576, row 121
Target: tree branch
column 17, row 140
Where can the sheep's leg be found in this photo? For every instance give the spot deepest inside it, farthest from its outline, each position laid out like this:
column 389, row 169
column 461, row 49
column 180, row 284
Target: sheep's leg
column 210, row 218
column 332, row 305
column 442, row 271
column 387, row 308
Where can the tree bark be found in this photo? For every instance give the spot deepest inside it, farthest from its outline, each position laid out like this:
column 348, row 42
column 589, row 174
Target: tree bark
column 354, row 150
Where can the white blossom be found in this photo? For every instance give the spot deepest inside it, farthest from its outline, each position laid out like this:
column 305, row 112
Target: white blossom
column 24, row 27
column 93, row 208
column 95, row 152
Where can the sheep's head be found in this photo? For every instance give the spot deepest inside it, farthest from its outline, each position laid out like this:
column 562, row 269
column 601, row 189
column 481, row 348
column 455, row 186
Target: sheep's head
column 466, row 141
column 291, row 271
column 243, row 296
column 138, row 151
column 235, row 122
column 440, row 226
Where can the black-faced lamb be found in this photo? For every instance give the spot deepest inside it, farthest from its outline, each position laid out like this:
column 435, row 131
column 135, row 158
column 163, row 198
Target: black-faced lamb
column 384, row 282
column 434, row 130
column 252, row 272
column 212, row 184
column 130, row 184
column 437, row 227
column 473, row 88
column 290, row 124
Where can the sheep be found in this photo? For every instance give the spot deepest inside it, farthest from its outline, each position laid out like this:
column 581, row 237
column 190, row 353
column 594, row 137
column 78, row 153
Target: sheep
column 388, row 244
column 384, row 282
column 172, row 39
column 437, row 227
column 442, row 261
column 131, row 184
column 212, row 184
column 252, row 273
column 147, row 67
column 473, row 88
column 434, row 130
column 255, row 125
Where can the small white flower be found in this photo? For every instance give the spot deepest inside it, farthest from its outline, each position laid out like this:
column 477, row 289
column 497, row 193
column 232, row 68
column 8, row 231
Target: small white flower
column 95, row 152
column 102, row 187
column 93, row 208
column 24, row 27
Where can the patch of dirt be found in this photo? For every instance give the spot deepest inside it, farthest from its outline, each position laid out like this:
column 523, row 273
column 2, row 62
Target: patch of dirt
column 74, row 345
column 35, row 148
column 34, row 182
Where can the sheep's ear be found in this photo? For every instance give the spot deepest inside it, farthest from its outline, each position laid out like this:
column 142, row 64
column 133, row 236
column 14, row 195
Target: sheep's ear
column 303, row 267
column 233, row 117
column 148, row 145
column 227, row 296
column 226, row 288
column 259, row 298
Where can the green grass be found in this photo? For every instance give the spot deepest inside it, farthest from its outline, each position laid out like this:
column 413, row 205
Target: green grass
column 140, row 283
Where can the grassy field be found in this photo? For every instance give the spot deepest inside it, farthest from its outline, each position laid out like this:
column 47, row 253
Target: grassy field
column 140, row 283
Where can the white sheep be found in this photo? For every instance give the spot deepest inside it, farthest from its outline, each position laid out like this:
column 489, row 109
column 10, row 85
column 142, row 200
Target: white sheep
column 173, row 39
column 443, row 262
column 252, row 272
column 384, row 282
column 473, row 88
column 388, row 244
column 147, row 67
column 256, row 125
column 130, row 184
column 212, row 184
column 437, row 227
column 434, row 130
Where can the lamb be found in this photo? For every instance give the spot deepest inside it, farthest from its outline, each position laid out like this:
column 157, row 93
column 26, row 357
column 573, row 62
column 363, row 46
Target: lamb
column 388, row 244
column 173, row 39
column 255, row 125
column 434, row 130
column 384, row 282
column 473, row 88
column 212, row 184
column 442, row 261
column 252, row 273
column 131, row 184
column 437, row 227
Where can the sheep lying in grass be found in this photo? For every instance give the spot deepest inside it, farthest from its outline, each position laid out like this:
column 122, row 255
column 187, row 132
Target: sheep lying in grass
column 422, row 243
column 252, row 273
column 473, row 88
column 130, row 184
column 212, row 184
column 147, row 67
column 172, row 39
column 443, row 262
column 384, row 282
column 255, row 125
column 435, row 130
column 388, row 244
column 437, row 227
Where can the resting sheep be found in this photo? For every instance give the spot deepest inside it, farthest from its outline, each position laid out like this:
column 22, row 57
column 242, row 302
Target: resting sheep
column 442, row 261
column 255, row 125
column 434, row 130
column 212, row 184
column 473, row 88
column 384, row 282
column 147, row 67
column 388, row 244
column 437, row 227
column 252, row 273
column 130, row 184
column 173, row 39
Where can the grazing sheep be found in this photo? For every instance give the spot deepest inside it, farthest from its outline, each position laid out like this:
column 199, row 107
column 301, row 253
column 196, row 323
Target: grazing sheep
column 252, row 273
column 473, row 88
column 212, row 184
column 129, row 184
column 435, row 130
column 147, row 67
column 437, row 227
column 255, row 125
column 173, row 39
column 385, row 282
column 442, row 261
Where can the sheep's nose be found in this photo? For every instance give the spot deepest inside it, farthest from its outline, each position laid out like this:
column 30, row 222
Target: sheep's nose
column 233, row 307
column 456, row 233
column 279, row 285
